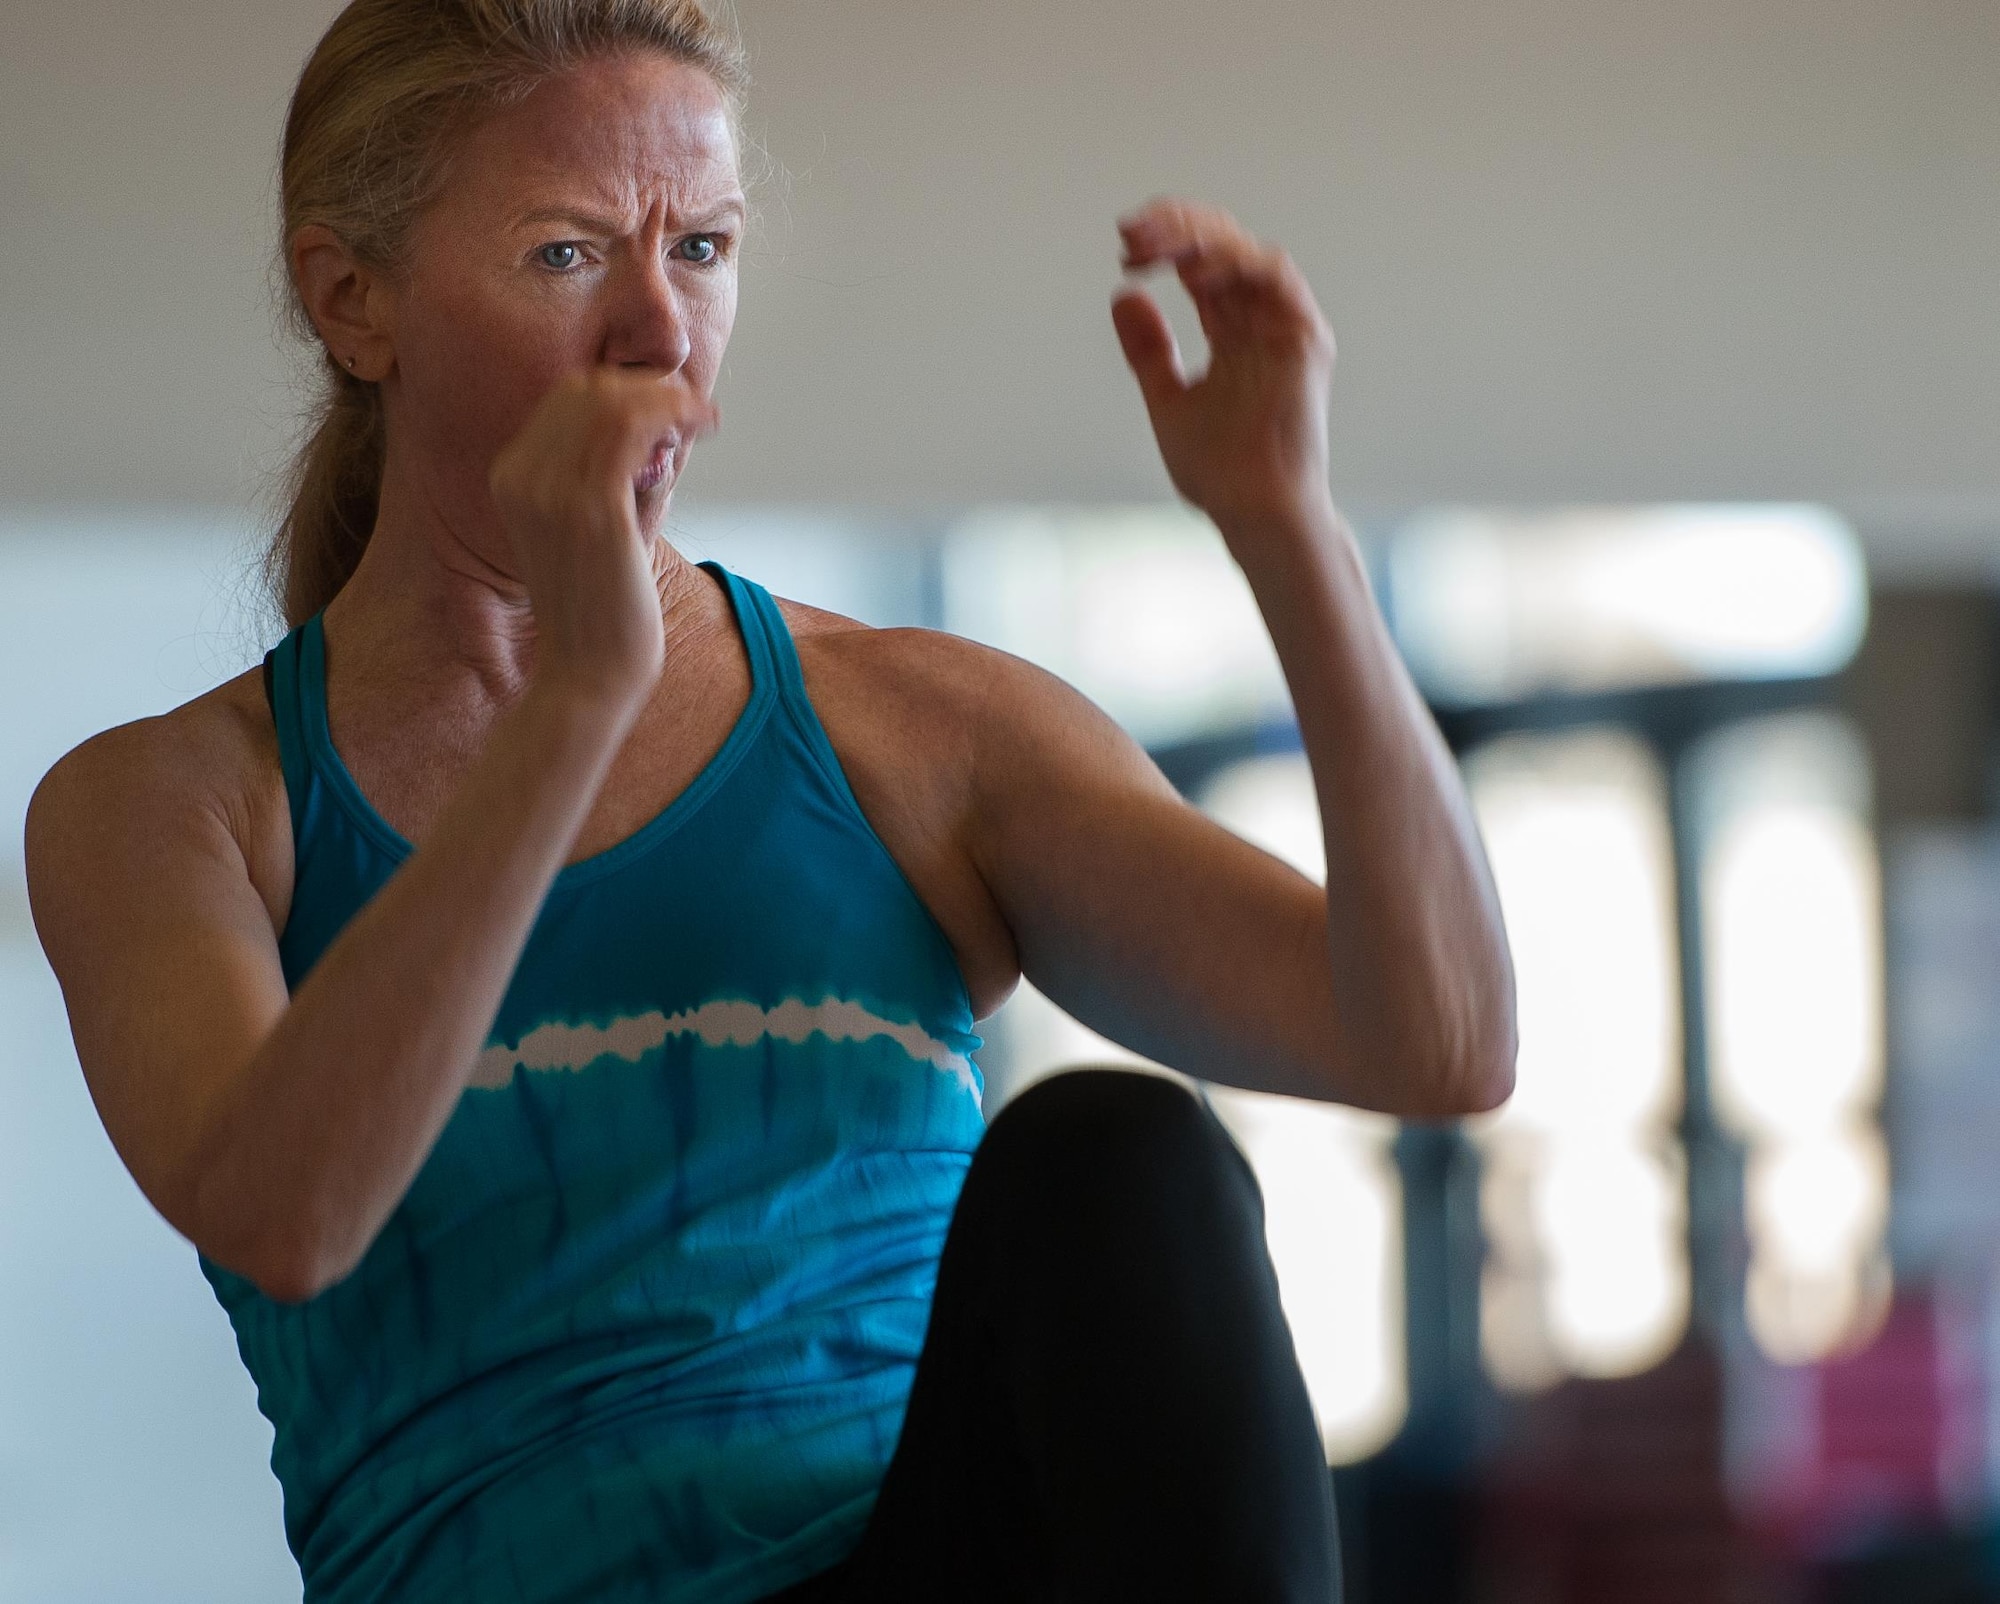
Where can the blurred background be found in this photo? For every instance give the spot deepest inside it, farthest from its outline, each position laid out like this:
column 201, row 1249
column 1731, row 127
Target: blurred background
column 1669, row 414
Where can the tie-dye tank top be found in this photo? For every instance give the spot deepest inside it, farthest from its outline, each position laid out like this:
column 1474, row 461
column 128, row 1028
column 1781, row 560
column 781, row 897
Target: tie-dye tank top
column 645, row 1324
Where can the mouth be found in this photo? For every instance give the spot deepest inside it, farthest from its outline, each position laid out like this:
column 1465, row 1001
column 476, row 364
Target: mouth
column 657, row 469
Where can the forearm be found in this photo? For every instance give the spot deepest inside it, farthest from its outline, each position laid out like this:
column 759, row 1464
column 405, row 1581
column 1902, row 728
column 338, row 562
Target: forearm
column 314, row 1144
column 1422, row 983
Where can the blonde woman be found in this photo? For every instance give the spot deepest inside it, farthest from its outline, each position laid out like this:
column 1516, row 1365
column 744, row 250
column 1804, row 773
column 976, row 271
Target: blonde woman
column 544, row 994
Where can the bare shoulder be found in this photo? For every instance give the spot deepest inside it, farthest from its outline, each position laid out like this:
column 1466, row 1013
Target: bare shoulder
column 968, row 761
column 977, row 732
column 963, row 690
column 922, row 723
column 204, row 777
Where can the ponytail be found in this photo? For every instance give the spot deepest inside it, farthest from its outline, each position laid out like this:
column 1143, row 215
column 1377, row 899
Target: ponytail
column 332, row 491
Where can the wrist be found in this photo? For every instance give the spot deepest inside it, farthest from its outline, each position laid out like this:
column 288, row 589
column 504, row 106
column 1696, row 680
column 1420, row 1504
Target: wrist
column 575, row 705
column 1282, row 545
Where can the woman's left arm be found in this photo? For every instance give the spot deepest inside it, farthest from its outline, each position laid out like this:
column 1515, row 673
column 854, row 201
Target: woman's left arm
column 1393, row 989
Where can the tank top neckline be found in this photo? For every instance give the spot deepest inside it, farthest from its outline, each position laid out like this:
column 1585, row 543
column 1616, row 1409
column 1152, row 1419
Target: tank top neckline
column 760, row 650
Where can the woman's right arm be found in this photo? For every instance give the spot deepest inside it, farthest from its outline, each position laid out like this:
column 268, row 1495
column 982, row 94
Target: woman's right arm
column 278, row 1134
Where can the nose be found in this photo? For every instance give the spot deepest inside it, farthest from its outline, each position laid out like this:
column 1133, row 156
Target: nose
column 648, row 325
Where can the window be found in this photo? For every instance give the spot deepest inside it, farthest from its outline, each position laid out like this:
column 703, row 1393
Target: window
column 1582, row 1192
column 1791, row 908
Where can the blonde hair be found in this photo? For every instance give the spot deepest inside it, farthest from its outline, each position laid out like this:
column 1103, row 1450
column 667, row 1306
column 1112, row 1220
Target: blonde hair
column 383, row 97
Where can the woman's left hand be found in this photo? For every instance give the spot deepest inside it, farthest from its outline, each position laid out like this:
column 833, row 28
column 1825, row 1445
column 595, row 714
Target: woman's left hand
column 1246, row 440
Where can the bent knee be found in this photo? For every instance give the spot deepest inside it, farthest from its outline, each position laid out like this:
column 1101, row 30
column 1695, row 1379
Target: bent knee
column 1108, row 1103
column 1087, row 1124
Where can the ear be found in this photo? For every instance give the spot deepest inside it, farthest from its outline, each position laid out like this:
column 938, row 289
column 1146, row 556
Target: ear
column 346, row 300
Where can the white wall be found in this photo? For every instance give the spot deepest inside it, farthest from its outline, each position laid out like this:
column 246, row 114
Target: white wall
column 133, row 1462
column 1720, row 248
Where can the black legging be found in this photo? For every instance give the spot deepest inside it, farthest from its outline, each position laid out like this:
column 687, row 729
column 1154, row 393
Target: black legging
column 1107, row 1406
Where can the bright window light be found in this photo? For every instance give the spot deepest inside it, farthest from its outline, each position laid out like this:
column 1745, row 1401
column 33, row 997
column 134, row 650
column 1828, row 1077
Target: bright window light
column 1798, row 1318
column 1515, row 1338
column 1491, row 606
column 1586, row 1273
column 1582, row 1195
column 1332, row 1197
column 1333, row 1221
column 1142, row 609
column 1791, row 910
column 1820, row 1203
column 1614, row 1216
column 1576, row 831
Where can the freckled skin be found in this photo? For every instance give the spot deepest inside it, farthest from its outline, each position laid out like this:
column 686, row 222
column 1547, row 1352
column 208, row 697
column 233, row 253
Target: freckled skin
column 483, row 327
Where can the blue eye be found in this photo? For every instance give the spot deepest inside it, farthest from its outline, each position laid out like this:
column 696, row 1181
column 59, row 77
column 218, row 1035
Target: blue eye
column 700, row 249
column 558, row 256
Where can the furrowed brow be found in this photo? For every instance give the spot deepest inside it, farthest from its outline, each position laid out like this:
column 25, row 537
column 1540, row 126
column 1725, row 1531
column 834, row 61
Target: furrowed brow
column 587, row 221
column 733, row 209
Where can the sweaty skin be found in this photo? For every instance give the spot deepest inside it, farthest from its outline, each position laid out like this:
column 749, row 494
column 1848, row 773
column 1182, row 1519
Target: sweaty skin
column 522, row 672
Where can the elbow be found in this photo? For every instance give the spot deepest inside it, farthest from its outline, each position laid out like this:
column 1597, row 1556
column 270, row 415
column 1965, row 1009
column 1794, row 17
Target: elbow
column 281, row 1285
column 283, row 1259
column 1479, row 1074
column 1454, row 1094
column 292, row 1276
column 291, row 1247
column 289, row 1282
column 1475, row 1077
column 1470, row 1069
column 1486, row 1084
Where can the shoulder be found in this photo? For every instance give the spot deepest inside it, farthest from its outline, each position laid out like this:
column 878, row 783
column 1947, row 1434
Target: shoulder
column 204, row 778
column 958, row 684
column 982, row 720
column 203, row 750
column 911, row 714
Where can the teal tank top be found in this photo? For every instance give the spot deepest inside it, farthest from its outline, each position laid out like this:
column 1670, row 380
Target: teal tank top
column 645, row 1324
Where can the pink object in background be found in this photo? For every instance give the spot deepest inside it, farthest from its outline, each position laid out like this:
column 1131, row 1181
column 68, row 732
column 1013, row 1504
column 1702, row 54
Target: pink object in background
column 1882, row 1441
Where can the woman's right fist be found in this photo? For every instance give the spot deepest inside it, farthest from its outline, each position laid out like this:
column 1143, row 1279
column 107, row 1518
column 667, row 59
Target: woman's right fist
column 577, row 490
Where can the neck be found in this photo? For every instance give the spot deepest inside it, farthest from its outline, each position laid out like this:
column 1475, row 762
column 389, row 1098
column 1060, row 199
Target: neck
column 434, row 601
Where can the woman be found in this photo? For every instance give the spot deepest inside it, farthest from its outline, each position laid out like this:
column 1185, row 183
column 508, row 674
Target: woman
column 544, row 993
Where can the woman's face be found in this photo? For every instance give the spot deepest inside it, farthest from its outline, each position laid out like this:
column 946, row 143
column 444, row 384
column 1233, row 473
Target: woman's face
column 596, row 221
